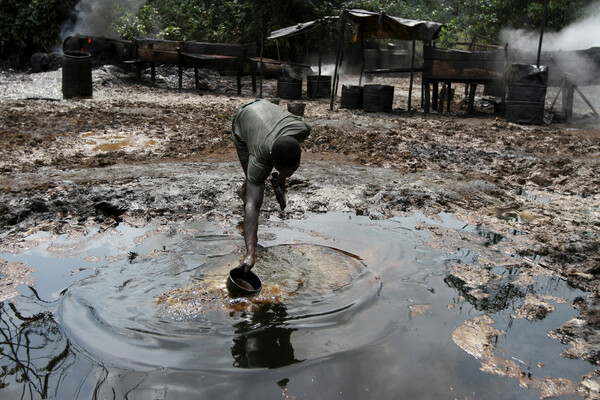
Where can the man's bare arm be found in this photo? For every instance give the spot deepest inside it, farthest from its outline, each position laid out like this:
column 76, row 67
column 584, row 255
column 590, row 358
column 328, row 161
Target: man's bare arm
column 254, row 199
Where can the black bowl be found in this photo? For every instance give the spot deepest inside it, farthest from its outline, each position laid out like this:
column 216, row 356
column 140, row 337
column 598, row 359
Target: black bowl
column 243, row 284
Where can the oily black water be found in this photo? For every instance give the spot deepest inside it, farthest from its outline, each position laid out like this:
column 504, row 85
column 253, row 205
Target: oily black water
column 351, row 308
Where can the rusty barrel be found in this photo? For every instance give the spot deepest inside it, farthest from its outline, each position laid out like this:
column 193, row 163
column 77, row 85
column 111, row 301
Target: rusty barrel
column 352, row 97
column 289, row 88
column 318, row 86
column 378, row 98
column 77, row 74
column 526, row 94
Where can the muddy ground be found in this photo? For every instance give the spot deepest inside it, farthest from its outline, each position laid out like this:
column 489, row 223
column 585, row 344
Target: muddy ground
column 149, row 152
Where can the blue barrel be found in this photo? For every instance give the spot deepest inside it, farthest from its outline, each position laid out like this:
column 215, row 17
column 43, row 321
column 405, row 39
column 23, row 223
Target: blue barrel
column 77, row 74
column 378, row 98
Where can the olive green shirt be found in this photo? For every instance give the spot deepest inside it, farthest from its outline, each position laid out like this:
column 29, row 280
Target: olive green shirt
column 256, row 126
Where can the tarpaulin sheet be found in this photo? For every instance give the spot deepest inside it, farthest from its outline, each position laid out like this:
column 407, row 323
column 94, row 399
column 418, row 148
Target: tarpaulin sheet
column 383, row 26
column 303, row 27
column 372, row 25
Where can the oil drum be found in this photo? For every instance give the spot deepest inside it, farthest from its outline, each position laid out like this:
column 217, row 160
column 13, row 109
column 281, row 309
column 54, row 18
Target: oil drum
column 77, row 74
column 289, row 88
column 372, row 59
column 318, row 86
column 378, row 98
column 399, row 59
column 526, row 94
column 352, row 97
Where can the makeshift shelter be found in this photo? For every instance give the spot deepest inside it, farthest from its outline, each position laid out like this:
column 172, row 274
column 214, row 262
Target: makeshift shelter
column 368, row 24
column 301, row 28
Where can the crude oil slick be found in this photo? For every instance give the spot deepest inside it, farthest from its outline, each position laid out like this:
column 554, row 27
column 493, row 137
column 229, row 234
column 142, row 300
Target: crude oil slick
column 352, row 307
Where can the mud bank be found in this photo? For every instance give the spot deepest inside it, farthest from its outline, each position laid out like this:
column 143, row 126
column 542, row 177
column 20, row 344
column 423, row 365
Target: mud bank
column 146, row 153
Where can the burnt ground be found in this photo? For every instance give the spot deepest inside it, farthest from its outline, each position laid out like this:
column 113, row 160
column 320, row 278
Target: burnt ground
column 147, row 152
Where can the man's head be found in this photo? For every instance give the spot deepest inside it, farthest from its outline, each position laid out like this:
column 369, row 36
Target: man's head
column 286, row 155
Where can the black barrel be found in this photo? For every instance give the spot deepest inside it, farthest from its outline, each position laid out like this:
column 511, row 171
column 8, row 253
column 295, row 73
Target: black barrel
column 352, row 97
column 318, row 86
column 378, row 98
column 372, row 60
column 526, row 94
column 377, row 59
column 399, row 59
column 77, row 74
column 289, row 88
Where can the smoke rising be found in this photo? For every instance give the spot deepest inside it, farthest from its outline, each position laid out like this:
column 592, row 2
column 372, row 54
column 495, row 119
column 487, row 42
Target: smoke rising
column 580, row 35
column 97, row 17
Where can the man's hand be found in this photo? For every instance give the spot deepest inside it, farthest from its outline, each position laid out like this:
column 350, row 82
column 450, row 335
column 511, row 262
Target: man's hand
column 248, row 263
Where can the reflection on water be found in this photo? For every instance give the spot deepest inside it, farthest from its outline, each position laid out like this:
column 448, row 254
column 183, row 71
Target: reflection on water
column 33, row 349
column 493, row 297
column 384, row 327
column 263, row 341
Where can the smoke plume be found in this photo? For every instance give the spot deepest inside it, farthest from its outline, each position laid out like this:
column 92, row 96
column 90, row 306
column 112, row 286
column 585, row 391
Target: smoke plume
column 97, row 17
column 580, row 35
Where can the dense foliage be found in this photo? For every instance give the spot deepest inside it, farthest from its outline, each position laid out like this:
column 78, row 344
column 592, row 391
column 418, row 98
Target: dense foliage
column 27, row 26
column 34, row 25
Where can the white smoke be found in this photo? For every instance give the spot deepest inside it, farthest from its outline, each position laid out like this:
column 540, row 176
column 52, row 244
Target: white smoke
column 97, row 17
column 580, row 35
column 581, row 70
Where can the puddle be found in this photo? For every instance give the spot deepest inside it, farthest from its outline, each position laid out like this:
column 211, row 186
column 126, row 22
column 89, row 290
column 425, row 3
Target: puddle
column 113, row 141
column 352, row 308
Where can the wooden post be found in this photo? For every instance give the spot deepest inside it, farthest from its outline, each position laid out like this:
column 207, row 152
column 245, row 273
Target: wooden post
column 412, row 72
column 260, row 65
column 427, row 101
column 449, row 94
column 562, row 84
column 320, row 59
column 362, row 51
column 337, row 60
column 180, row 76
column 503, row 99
column 434, row 95
column 587, row 102
column 544, row 13
column 472, row 89
column 180, row 68
column 567, row 101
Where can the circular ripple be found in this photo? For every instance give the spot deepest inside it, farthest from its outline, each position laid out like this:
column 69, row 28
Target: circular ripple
column 158, row 313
